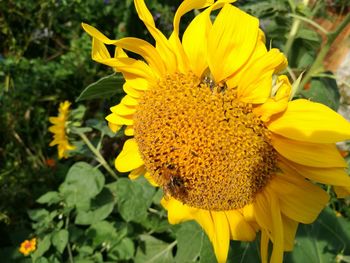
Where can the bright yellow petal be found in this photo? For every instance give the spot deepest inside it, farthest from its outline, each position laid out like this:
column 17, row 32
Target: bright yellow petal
column 114, row 127
column 177, row 211
column 129, row 130
column 309, row 154
column 136, row 173
column 119, row 120
column 123, row 110
column 150, row 179
column 239, row 228
column 229, row 44
column 130, row 101
column 342, row 192
column 264, row 245
column 290, row 228
column 162, row 45
column 221, row 238
column 300, row 200
column 276, row 104
column 256, row 88
column 194, row 42
column 311, row 122
column 332, row 176
column 278, row 234
column 129, row 158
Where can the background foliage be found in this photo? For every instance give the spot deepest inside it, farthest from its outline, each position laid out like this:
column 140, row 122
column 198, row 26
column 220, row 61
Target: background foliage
column 45, row 59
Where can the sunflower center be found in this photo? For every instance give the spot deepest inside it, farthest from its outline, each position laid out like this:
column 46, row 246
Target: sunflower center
column 201, row 144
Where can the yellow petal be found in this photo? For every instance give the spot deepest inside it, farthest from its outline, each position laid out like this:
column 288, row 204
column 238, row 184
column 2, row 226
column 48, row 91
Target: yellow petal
column 276, row 104
column 162, row 45
column 114, row 127
column 278, row 234
column 123, row 110
column 137, row 83
column 311, row 122
column 221, row 237
column 309, row 154
column 289, row 229
column 300, row 200
column 129, row 130
column 264, row 245
column 144, row 49
column 194, row 42
column 129, row 101
column 332, row 176
column 341, row 191
column 129, row 158
column 150, row 179
column 129, row 90
column 256, row 88
column 229, row 44
column 177, row 211
column 119, row 120
column 239, row 228
column 136, row 173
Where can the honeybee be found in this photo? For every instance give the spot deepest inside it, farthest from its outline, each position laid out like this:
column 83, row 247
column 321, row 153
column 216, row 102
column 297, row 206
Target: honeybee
column 174, row 184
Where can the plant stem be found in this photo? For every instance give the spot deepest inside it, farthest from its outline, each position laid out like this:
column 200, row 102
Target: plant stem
column 70, row 255
column 317, row 66
column 98, row 155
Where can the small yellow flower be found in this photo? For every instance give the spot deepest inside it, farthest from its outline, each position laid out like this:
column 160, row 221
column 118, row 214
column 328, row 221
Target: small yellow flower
column 214, row 126
column 59, row 128
column 28, row 246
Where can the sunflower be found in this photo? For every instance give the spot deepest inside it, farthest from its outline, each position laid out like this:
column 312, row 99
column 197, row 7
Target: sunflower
column 213, row 124
column 59, row 128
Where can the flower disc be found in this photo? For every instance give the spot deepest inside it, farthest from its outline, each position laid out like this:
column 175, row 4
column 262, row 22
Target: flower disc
column 201, row 144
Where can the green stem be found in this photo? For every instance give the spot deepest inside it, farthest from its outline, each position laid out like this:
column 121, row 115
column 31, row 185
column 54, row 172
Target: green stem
column 70, row 255
column 317, row 66
column 98, row 155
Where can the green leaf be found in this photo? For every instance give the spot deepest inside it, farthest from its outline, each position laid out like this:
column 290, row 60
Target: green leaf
column 323, row 90
column 51, row 197
column 153, row 250
column 244, row 252
column 60, row 239
column 189, row 238
column 38, row 214
column 100, row 232
column 42, row 246
column 323, row 240
column 104, row 88
column 134, row 198
column 124, row 250
column 83, row 182
column 207, row 252
column 102, row 206
column 41, row 260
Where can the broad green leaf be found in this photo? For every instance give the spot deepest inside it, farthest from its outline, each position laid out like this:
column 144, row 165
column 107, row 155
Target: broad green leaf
column 322, row 241
column 124, row 250
column 323, row 90
column 41, row 260
column 101, row 207
column 38, row 214
column 51, row 197
column 207, row 252
column 153, row 250
column 134, row 198
column 60, row 239
column 43, row 245
column 104, row 88
column 189, row 238
column 100, row 232
column 244, row 252
column 83, row 182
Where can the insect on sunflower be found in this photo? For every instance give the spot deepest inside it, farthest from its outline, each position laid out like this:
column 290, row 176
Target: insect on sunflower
column 213, row 124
